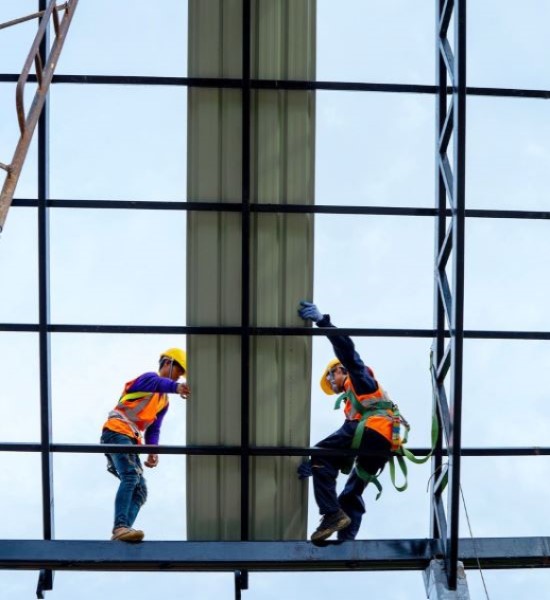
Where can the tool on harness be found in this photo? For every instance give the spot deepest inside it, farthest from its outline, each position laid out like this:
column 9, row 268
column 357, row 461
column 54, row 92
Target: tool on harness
column 398, row 451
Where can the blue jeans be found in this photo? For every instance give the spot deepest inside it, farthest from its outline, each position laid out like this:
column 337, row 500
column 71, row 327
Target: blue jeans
column 325, row 470
column 132, row 491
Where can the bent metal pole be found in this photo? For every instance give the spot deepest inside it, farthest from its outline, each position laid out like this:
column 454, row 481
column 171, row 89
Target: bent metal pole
column 44, row 75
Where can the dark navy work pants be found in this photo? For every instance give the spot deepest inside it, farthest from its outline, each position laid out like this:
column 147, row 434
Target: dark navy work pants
column 325, row 470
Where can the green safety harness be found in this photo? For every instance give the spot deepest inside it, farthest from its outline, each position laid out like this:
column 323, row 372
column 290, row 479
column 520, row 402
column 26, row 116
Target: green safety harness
column 398, row 450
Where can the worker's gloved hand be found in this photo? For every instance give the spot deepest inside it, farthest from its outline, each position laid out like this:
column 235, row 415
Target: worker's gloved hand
column 152, row 461
column 304, row 470
column 310, row 311
column 183, row 390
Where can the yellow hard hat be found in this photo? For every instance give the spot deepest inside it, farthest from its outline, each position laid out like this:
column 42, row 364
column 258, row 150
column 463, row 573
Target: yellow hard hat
column 325, row 385
column 178, row 355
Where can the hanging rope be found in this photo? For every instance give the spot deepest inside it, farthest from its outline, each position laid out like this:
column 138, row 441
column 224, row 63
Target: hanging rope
column 474, row 544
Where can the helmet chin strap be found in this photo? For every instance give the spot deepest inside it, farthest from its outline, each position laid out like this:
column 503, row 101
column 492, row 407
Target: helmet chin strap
column 166, row 359
column 171, row 367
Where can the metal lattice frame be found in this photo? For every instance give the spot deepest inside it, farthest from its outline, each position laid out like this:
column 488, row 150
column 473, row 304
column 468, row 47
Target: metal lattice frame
column 449, row 302
column 450, row 216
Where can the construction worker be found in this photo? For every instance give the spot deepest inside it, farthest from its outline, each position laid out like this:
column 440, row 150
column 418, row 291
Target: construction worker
column 140, row 409
column 347, row 374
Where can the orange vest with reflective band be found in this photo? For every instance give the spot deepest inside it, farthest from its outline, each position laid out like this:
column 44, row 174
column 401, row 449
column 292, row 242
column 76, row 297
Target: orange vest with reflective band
column 380, row 423
column 135, row 412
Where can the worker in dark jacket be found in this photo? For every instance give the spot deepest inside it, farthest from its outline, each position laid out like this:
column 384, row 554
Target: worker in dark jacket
column 349, row 375
column 140, row 410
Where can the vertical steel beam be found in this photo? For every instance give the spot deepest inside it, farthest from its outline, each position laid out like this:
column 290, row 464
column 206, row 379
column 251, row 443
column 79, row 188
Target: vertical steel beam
column 457, row 325
column 440, row 232
column 245, row 257
column 46, row 577
column 449, row 300
column 245, row 295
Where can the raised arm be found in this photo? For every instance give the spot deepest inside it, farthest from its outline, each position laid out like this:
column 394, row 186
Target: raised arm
column 344, row 349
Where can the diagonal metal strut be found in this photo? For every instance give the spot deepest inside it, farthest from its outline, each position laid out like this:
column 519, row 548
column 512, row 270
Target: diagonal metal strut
column 44, row 74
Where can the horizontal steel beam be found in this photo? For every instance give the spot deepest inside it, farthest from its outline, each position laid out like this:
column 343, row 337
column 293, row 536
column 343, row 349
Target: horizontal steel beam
column 329, row 209
column 256, row 450
column 215, row 556
column 276, row 84
column 478, row 334
column 222, row 330
column 369, row 555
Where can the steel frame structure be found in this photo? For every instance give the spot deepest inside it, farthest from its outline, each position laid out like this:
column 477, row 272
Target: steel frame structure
column 448, row 333
column 449, row 301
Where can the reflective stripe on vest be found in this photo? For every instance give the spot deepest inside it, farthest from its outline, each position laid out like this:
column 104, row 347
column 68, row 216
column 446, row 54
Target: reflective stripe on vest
column 138, row 410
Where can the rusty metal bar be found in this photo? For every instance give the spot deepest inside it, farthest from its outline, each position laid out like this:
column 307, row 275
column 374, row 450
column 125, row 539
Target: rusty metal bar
column 55, row 16
column 35, row 15
column 27, row 122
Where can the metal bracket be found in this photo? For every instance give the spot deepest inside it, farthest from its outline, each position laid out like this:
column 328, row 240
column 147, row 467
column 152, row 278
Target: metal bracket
column 45, row 583
column 241, row 583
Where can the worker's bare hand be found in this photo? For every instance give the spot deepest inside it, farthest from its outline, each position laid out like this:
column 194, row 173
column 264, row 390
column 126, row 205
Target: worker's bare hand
column 152, row 461
column 183, row 390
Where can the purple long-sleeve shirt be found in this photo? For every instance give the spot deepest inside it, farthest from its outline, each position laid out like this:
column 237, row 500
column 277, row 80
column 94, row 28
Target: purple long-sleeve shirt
column 153, row 382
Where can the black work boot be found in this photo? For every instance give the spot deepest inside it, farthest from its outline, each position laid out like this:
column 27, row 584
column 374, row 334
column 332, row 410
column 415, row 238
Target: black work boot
column 329, row 524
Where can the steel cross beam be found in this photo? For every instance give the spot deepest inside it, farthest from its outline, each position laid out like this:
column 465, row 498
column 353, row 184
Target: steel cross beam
column 449, row 299
column 297, row 556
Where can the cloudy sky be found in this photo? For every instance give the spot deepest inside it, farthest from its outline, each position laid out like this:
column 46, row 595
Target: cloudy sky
column 110, row 142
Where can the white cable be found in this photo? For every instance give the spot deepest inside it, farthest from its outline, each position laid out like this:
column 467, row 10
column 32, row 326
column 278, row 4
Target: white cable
column 474, row 543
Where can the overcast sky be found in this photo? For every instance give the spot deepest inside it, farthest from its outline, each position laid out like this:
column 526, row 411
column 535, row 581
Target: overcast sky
column 111, row 142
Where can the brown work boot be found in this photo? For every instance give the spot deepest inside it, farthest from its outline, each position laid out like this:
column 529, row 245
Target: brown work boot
column 329, row 524
column 127, row 534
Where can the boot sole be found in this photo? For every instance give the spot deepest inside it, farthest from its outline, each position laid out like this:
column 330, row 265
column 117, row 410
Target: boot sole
column 133, row 536
column 320, row 536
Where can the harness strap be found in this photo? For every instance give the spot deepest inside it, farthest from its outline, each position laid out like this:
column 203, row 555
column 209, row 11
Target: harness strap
column 403, row 466
column 399, row 452
column 368, row 478
column 358, row 435
column 379, row 405
column 375, row 408
column 340, row 398
column 434, row 435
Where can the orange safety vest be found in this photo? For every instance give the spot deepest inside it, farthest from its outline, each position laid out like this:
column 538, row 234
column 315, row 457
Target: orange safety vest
column 135, row 412
column 380, row 423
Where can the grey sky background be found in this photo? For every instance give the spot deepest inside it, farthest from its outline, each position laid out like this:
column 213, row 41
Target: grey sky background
column 125, row 142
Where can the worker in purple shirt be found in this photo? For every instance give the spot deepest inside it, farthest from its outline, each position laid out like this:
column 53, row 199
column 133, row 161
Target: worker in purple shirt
column 140, row 409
